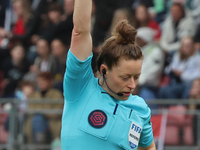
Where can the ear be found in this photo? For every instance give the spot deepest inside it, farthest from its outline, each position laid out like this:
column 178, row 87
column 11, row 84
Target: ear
column 103, row 68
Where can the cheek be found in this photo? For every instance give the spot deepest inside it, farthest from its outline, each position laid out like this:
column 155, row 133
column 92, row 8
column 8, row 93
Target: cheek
column 117, row 83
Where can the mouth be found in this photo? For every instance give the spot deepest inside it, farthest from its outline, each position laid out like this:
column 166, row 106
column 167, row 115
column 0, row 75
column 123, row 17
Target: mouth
column 126, row 93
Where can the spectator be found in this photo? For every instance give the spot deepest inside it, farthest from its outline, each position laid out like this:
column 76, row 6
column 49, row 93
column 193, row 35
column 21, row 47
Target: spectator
column 26, row 89
column 152, row 65
column 22, row 11
column 45, row 61
column 14, row 68
column 41, row 124
column 39, row 14
column 142, row 19
column 176, row 25
column 54, row 13
column 183, row 69
column 28, row 20
column 193, row 7
column 22, row 94
column 59, row 52
column 63, row 29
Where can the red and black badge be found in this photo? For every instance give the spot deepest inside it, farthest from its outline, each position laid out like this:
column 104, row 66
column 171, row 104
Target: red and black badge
column 97, row 119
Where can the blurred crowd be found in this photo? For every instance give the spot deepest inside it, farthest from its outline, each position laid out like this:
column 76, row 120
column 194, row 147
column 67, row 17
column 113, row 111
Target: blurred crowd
column 35, row 37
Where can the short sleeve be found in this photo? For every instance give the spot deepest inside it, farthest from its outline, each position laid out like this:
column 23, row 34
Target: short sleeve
column 147, row 133
column 77, row 76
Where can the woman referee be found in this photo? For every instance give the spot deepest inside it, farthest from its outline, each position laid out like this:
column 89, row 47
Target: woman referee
column 102, row 114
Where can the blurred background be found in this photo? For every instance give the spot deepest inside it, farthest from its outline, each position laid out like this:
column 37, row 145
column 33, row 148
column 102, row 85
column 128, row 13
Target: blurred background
column 34, row 41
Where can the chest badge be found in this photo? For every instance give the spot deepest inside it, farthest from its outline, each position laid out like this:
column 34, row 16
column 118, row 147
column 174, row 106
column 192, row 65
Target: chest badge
column 97, row 119
column 134, row 135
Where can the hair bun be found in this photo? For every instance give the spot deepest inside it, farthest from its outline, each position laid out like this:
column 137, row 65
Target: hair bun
column 125, row 33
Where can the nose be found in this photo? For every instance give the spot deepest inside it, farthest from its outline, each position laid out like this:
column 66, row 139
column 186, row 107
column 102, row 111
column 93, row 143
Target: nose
column 132, row 84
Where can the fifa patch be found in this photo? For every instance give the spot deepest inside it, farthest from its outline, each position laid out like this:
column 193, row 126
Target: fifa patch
column 97, row 119
column 134, row 135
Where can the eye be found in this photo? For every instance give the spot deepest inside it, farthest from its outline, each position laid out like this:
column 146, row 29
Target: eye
column 125, row 78
column 136, row 77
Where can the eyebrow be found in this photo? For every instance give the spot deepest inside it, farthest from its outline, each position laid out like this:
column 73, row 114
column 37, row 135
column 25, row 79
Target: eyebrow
column 129, row 75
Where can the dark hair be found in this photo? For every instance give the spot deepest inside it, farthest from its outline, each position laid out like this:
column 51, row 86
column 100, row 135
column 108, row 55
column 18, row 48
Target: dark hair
column 54, row 7
column 46, row 75
column 180, row 6
column 136, row 22
column 26, row 83
column 60, row 40
column 18, row 44
column 121, row 45
column 45, row 40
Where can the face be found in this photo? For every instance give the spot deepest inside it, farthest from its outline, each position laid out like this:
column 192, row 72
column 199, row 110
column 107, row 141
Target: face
column 17, row 8
column 187, row 47
column 69, row 6
column 54, row 16
column 176, row 13
column 43, row 84
column 196, row 84
column 141, row 14
column 42, row 48
column 57, row 48
column 123, row 78
column 17, row 53
column 27, row 90
column 121, row 15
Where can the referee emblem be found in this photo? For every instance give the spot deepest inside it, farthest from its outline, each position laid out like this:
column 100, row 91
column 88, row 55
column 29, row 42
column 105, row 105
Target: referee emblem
column 97, row 119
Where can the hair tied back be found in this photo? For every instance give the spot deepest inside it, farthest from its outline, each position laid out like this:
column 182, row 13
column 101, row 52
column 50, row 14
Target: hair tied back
column 125, row 33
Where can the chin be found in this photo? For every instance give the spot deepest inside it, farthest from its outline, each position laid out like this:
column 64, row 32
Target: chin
column 123, row 98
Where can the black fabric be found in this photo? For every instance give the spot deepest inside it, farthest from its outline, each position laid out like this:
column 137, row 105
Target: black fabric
column 103, row 20
column 197, row 35
column 13, row 74
column 62, row 31
column 3, row 5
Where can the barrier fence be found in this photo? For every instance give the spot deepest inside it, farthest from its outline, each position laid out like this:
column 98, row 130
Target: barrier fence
column 175, row 126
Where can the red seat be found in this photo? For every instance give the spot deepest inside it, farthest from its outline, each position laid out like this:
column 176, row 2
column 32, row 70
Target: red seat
column 188, row 135
column 176, row 115
column 172, row 135
column 178, row 120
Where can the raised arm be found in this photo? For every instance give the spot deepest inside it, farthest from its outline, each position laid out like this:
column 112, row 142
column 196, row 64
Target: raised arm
column 81, row 43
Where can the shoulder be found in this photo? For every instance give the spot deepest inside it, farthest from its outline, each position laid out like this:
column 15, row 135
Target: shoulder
column 138, row 105
column 35, row 95
column 74, row 63
column 188, row 18
column 168, row 20
column 55, row 92
column 37, row 60
column 176, row 56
